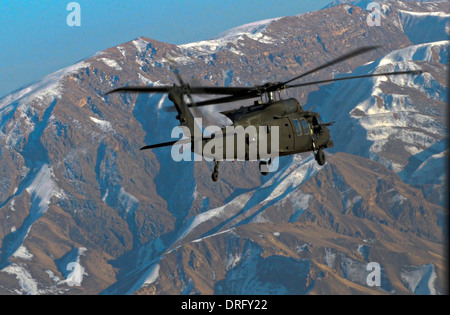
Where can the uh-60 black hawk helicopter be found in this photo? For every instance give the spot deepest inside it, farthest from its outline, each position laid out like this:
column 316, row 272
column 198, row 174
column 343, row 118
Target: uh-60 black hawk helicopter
column 298, row 130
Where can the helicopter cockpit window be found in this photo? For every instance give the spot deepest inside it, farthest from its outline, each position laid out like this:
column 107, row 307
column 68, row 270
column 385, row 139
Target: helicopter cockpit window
column 298, row 127
column 319, row 119
column 305, row 127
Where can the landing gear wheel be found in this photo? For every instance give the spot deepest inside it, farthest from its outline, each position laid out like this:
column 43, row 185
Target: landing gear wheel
column 215, row 174
column 320, row 157
column 264, row 165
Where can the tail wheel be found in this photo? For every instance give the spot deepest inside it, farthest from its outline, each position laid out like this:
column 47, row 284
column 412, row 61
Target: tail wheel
column 215, row 174
column 264, row 165
column 320, row 157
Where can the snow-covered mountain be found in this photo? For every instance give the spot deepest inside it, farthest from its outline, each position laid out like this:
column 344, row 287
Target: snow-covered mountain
column 76, row 191
column 400, row 122
column 422, row 21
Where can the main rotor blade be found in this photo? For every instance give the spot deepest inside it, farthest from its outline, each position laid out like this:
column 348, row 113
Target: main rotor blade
column 142, row 89
column 335, row 61
column 415, row 72
column 223, row 100
column 192, row 90
column 218, row 90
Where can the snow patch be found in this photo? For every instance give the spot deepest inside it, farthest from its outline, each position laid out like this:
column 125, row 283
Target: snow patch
column 247, row 29
column 398, row 199
column 329, row 257
column 26, row 281
column 52, row 276
column 255, row 31
column 217, row 213
column 297, row 173
column 422, row 52
column 300, row 202
column 23, row 253
column 148, row 277
column 122, row 51
column 45, row 90
column 145, row 80
column 128, row 201
column 102, row 124
column 152, row 276
column 233, row 260
column 43, row 188
column 439, row 14
column 111, row 63
column 140, row 44
column 212, row 235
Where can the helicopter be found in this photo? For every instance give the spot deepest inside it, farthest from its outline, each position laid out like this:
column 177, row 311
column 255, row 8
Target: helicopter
column 283, row 123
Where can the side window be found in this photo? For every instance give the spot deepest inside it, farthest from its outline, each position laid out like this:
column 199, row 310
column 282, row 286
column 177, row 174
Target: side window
column 305, row 127
column 298, row 127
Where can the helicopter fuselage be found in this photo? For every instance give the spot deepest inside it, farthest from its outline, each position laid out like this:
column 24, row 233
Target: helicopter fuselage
column 297, row 131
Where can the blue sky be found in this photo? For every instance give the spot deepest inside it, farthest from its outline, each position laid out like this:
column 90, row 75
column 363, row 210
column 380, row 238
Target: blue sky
column 35, row 39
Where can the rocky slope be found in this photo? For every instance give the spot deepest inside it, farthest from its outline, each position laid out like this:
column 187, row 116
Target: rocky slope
column 76, row 190
column 309, row 231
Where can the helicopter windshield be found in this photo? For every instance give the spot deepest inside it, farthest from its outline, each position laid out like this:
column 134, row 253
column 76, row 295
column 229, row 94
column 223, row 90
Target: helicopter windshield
column 305, row 127
column 319, row 119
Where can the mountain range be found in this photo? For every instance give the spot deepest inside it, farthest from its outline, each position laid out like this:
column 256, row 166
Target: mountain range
column 76, row 190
